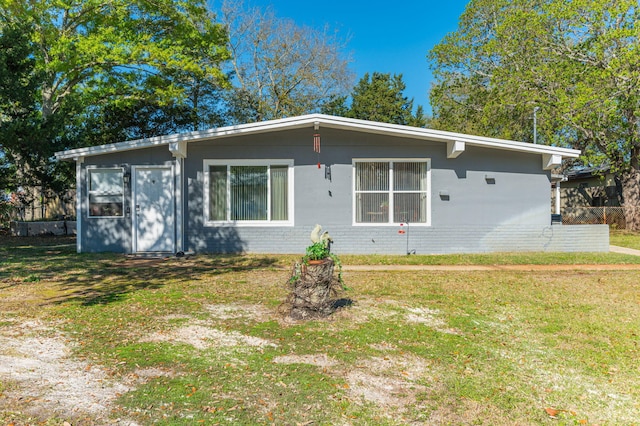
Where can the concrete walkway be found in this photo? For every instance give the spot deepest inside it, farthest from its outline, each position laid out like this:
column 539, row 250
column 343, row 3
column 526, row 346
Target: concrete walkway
column 624, row 250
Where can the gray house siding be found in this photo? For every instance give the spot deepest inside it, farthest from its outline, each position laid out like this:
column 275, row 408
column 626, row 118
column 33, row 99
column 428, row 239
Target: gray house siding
column 114, row 234
column 497, row 200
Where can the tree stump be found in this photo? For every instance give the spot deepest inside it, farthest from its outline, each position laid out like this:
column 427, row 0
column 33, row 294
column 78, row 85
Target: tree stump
column 313, row 287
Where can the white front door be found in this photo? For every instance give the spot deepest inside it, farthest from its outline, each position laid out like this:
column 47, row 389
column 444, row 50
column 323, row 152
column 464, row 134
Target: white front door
column 153, row 209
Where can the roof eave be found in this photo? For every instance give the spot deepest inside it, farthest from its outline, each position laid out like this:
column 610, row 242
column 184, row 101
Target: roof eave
column 322, row 121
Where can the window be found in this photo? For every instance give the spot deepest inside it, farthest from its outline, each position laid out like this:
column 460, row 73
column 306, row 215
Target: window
column 387, row 192
column 256, row 192
column 106, row 192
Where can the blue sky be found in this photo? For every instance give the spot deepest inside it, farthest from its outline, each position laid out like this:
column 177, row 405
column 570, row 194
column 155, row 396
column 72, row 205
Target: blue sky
column 384, row 36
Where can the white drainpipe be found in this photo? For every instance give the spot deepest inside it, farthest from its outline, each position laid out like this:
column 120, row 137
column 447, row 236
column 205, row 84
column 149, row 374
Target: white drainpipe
column 558, row 197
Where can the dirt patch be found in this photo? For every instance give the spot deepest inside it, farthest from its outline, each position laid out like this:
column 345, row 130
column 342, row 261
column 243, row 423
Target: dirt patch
column 365, row 309
column 43, row 380
column 392, row 382
column 386, row 392
column 409, row 367
column 231, row 311
column 319, row 360
column 430, row 318
column 200, row 336
column 383, row 346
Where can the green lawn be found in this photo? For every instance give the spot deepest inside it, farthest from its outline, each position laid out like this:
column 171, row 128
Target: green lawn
column 200, row 341
column 625, row 239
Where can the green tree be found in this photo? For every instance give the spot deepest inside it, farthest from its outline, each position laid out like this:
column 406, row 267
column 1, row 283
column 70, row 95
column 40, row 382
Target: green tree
column 90, row 55
column 578, row 62
column 104, row 47
column 18, row 108
column 16, row 91
column 18, row 82
column 378, row 97
column 149, row 115
column 337, row 106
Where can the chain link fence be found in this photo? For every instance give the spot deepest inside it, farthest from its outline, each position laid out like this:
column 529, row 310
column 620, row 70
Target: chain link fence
column 594, row 215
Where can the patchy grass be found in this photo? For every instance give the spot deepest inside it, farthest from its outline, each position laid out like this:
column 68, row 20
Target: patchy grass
column 625, row 239
column 199, row 341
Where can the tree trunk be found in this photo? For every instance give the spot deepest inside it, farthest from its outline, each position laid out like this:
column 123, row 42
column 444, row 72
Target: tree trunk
column 312, row 287
column 631, row 196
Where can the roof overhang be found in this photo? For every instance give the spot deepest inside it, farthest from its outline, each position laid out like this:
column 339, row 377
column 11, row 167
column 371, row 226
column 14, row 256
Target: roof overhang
column 456, row 142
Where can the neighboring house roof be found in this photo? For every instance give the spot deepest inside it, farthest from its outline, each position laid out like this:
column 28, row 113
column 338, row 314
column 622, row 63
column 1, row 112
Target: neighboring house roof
column 586, row 172
column 456, row 142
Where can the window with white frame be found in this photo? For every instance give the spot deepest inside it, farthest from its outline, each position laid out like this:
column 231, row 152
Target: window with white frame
column 106, row 192
column 395, row 191
column 248, row 192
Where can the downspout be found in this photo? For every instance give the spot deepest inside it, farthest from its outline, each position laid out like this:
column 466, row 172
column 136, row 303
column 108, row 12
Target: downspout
column 558, row 196
column 79, row 192
column 179, row 152
column 556, row 178
column 179, row 189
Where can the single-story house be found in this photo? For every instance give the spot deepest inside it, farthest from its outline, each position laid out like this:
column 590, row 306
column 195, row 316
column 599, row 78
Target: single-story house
column 375, row 187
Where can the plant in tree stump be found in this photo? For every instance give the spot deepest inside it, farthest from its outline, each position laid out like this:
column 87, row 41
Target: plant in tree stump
column 314, row 283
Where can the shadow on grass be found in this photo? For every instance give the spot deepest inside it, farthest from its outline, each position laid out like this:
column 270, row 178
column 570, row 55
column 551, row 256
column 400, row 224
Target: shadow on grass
column 109, row 281
column 91, row 279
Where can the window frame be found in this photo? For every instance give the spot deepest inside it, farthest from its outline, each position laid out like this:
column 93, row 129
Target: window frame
column 95, row 169
column 390, row 190
column 248, row 163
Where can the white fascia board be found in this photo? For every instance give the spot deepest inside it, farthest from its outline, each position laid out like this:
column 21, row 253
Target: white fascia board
column 175, row 140
column 110, row 148
column 439, row 135
column 320, row 121
column 442, row 136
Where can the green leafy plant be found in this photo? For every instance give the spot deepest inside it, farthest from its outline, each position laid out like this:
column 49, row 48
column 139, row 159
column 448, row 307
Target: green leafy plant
column 32, row 278
column 317, row 251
